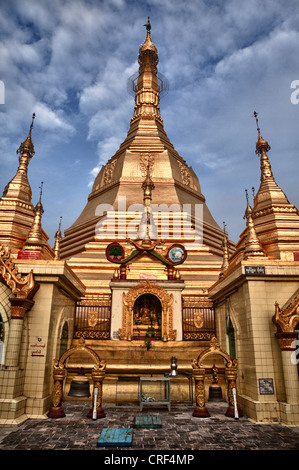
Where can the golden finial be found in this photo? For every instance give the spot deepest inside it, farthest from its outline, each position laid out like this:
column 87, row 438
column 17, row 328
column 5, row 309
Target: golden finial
column 252, row 244
column 35, row 240
column 27, row 147
column 248, row 208
column 257, row 121
column 57, row 242
column 225, row 262
column 41, row 190
column 148, row 45
column 148, row 24
column 261, row 143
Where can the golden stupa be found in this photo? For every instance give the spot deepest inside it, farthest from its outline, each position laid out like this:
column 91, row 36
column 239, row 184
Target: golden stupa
column 119, row 186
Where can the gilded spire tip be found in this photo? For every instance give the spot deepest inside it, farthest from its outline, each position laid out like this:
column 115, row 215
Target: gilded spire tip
column 33, row 117
column 261, row 143
column 148, row 24
column 41, row 190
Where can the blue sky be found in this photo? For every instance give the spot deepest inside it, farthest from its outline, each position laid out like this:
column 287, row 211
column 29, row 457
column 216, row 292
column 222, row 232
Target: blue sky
column 69, row 62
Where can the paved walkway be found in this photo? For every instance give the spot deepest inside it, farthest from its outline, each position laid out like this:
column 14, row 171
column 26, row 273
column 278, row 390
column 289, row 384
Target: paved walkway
column 180, row 431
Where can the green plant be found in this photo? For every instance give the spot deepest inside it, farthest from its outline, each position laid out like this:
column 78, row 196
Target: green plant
column 150, row 332
column 148, row 344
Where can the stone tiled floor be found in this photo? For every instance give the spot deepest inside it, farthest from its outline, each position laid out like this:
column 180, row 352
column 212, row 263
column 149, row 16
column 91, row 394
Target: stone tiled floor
column 180, row 431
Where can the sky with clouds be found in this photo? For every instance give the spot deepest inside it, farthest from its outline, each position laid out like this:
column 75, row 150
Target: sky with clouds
column 69, row 61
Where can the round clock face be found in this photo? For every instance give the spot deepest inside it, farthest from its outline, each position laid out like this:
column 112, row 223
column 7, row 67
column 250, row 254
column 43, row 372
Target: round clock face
column 115, row 252
column 177, row 254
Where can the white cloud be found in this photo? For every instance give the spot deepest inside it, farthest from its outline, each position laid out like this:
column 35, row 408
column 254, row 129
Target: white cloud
column 69, row 63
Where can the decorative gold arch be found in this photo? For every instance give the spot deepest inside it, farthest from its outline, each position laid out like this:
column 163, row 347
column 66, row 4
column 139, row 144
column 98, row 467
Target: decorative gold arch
column 199, row 371
column 98, row 373
column 126, row 332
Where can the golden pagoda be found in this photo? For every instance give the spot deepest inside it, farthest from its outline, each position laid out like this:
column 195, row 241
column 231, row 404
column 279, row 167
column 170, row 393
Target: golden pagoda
column 20, row 222
column 145, row 203
column 118, row 188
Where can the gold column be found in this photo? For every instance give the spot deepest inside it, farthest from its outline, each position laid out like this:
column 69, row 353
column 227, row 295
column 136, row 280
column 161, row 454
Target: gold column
column 19, row 307
column 56, row 410
column 200, row 410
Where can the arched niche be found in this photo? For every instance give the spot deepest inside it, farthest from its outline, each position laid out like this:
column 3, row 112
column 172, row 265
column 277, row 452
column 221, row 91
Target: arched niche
column 166, row 300
column 147, row 317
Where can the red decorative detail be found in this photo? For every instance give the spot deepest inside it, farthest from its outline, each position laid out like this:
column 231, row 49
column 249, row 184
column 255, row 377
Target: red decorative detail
column 56, row 413
column 33, row 255
column 200, row 412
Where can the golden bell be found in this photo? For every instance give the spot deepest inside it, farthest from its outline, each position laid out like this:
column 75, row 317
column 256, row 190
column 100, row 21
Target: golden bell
column 79, row 387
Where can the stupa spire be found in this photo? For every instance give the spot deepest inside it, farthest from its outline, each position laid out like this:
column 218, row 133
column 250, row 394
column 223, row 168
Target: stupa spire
column 225, row 262
column 147, row 87
column 35, row 241
column 58, row 237
column 252, row 244
column 18, row 187
column 262, row 147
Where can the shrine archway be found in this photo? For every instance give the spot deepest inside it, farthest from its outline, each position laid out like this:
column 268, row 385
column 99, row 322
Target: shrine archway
column 165, row 299
column 147, row 317
column 199, row 370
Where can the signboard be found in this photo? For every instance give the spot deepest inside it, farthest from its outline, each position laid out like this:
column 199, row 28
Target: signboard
column 255, row 270
column 266, row 386
column 37, row 348
column 177, row 254
column 115, row 252
column 29, row 255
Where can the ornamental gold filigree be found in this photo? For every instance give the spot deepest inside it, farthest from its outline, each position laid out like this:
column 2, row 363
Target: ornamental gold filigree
column 287, row 318
column 146, row 161
column 21, row 286
column 108, row 172
column 185, row 173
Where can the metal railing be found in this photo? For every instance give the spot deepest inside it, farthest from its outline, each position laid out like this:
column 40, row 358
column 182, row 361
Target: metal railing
column 198, row 316
column 93, row 317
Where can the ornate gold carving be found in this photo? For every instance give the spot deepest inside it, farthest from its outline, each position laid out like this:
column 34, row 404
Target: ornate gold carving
column 126, row 332
column 185, row 172
column 92, row 318
column 108, row 172
column 98, row 300
column 198, row 319
column 21, row 286
column 147, row 161
column 287, row 318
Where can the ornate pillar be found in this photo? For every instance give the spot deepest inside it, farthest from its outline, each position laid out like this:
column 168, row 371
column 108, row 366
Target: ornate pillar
column 19, row 307
column 290, row 370
column 56, row 410
column 231, row 377
column 200, row 410
column 98, row 375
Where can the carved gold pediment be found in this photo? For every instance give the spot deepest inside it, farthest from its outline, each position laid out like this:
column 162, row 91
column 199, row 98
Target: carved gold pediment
column 21, row 286
column 287, row 318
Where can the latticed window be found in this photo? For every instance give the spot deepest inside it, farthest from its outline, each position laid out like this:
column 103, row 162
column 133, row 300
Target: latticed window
column 198, row 318
column 92, row 318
